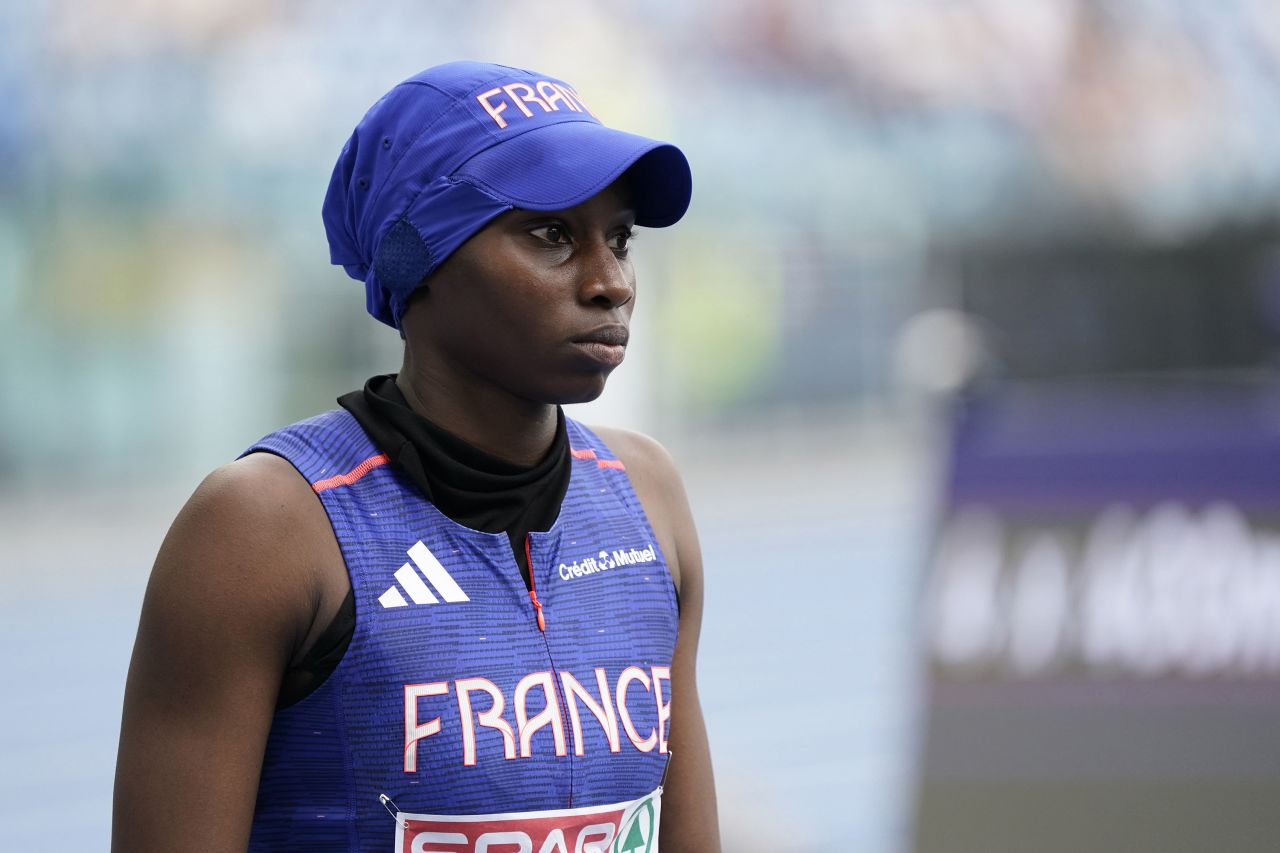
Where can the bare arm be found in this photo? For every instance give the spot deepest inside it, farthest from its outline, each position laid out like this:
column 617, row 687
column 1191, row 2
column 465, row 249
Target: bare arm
column 232, row 597
column 689, row 821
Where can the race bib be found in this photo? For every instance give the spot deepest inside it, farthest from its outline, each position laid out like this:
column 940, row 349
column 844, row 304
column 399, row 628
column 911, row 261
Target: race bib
column 630, row 827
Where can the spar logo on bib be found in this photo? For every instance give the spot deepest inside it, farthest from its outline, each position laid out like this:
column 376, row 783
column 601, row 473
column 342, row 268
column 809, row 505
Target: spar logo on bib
column 619, row 828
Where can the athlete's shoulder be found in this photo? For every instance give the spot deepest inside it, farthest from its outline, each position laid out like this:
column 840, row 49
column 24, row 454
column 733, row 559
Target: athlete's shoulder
column 262, row 506
column 260, row 485
column 259, row 508
column 642, row 455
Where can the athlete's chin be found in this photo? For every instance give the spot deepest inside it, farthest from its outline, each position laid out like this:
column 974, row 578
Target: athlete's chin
column 582, row 388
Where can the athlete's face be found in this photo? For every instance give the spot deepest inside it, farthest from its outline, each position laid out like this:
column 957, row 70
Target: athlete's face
column 537, row 304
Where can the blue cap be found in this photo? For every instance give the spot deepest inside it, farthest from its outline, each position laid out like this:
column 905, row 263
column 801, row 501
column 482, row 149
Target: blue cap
column 444, row 152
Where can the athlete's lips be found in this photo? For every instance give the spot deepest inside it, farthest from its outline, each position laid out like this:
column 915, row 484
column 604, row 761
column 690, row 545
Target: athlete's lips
column 614, row 336
column 607, row 344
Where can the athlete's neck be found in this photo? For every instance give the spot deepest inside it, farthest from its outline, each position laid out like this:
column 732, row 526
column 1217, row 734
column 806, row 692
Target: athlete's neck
column 515, row 430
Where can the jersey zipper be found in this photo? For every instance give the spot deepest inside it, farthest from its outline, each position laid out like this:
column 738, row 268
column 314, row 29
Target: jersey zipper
column 533, row 587
column 555, row 671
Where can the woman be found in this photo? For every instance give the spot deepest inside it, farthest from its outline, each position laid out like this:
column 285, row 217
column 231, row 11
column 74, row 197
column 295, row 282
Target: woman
column 444, row 616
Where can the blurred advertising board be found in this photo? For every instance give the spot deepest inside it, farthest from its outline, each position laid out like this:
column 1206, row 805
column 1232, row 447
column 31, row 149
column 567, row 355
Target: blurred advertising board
column 1102, row 616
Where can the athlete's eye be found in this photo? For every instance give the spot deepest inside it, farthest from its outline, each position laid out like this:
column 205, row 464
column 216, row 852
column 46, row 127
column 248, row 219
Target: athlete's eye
column 552, row 233
column 621, row 241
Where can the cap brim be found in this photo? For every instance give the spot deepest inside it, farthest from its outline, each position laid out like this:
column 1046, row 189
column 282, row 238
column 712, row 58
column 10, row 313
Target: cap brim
column 561, row 165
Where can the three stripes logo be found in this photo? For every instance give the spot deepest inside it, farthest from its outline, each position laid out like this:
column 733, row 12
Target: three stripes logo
column 414, row 584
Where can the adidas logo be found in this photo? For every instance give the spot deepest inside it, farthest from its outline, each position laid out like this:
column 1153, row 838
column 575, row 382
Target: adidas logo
column 412, row 583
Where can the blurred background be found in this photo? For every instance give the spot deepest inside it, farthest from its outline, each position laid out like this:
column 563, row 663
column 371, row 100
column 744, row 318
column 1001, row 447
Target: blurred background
column 967, row 349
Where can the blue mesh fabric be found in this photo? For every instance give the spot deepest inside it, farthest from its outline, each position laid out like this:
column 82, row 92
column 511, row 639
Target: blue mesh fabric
column 402, row 255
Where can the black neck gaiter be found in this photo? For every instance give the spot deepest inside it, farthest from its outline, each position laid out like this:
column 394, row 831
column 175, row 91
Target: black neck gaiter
column 470, row 486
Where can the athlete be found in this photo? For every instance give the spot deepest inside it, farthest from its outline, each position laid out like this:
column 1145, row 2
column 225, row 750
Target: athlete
column 443, row 616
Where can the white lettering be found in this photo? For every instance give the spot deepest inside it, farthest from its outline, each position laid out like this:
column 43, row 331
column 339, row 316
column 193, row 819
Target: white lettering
column 422, row 839
column 593, row 838
column 523, row 843
column 413, row 731
column 548, row 716
column 603, row 833
column 603, row 710
column 1168, row 591
column 555, row 843
column 494, row 112
column 661, row 674
column 608, row 559
column 630, row 674
column 550, row 97
column 607, row 704
column 491, row 718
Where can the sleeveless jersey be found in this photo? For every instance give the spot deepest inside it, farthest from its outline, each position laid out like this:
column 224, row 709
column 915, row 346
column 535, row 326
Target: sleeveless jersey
column 462, row 692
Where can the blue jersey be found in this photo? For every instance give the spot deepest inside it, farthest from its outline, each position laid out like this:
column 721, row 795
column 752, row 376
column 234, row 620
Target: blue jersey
column 463, row 692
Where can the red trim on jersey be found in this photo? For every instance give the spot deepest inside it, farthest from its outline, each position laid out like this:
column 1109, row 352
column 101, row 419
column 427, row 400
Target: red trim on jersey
column 351, row 476
column 588, row 453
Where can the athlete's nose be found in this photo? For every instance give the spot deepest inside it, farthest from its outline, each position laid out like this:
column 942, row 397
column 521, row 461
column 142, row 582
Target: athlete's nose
column 607, row 280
